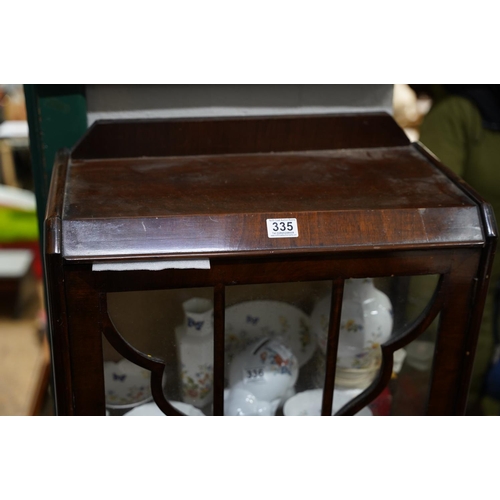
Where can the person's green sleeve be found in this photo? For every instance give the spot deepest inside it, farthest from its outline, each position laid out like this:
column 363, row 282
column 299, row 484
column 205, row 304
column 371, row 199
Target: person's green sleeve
column 449, row 130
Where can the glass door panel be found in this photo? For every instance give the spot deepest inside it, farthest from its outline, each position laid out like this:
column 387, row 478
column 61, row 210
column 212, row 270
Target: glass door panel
column 380, row 312
column 275, row 339
column 271, row 350
column 175, row 329
column 410, row 383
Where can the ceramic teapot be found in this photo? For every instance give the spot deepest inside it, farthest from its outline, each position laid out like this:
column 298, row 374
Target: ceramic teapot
column 240, row 402
column 267, row 369
column 366, row 323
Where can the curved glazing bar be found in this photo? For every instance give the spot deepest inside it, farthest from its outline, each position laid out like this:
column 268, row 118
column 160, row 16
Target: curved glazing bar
column 155, row 365
column 401, row 339
column 332, row 345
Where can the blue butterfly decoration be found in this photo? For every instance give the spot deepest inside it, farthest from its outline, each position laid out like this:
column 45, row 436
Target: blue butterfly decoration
column 196, row 324
column 252, row 320
column 121, row 378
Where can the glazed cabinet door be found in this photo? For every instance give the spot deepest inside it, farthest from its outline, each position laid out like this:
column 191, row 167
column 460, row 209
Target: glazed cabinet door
column 363, row 346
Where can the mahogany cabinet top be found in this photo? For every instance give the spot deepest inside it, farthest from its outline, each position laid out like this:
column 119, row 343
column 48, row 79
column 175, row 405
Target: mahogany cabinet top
column 189, row 188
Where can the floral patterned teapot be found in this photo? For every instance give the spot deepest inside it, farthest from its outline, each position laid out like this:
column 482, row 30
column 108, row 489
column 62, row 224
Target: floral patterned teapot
column 267, row 369
column 240, row 402
column 366, row 323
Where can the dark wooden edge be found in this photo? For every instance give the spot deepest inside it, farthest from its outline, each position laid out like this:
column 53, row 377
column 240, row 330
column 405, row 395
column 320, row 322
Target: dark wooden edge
column 447, row 384
column 219, row 349
column 479, row 294
column 332, row 346
column 478, row 299
column 55, row 200
column 55, row 293
column 298, row 252
column 237, row 135
column 259, row 271
column 486, row 210
column 58, row 334
column 421, row 323
column 155, row 365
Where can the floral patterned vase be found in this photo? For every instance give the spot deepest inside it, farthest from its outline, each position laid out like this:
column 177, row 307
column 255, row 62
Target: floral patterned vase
column 366, row 323
column 195, row 346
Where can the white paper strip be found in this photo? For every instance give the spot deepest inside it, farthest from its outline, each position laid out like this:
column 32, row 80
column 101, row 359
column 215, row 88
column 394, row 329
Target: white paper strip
column 151, row 265
column 15, row 263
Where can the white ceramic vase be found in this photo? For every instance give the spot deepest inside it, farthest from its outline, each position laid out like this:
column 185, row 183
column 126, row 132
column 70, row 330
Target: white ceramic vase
column 366, row 323
column 195, row 346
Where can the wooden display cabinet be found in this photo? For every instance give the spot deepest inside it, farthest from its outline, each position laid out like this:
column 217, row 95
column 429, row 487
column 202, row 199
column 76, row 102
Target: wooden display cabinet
column 139, row 196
